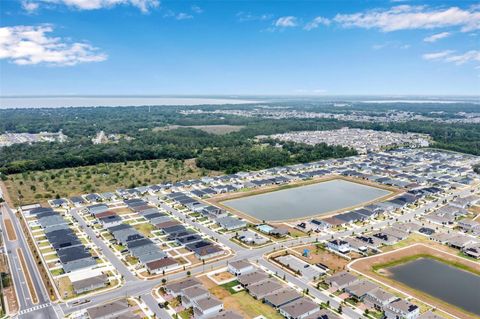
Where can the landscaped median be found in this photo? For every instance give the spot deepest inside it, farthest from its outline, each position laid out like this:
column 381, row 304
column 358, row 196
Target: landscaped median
column 380, row 268
column 28, row 278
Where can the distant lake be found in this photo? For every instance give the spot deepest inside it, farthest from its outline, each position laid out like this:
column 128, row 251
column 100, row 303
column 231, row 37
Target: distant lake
column 86, row 101
column 304, row 201
column 447, row 283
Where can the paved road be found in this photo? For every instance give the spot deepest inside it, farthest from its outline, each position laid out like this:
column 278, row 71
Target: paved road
column 27, row 309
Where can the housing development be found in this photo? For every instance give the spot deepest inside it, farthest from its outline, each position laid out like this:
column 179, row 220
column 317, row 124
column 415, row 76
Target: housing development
column 239, row 159
column 355, row 237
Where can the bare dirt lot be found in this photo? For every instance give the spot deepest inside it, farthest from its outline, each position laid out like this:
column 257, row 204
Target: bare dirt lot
column 367, row 266
column 318, row 255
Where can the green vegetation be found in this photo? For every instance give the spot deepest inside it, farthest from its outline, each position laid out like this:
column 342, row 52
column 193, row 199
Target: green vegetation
column 29, row 187
column 230, row 285
column 165, row 133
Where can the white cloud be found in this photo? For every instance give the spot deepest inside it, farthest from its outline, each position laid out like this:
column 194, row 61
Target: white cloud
column 25, row 45
column 315, row 23
column 247, row 16
column 391, row 44
column 436, row 37
column 196, row 9
column 286, row 22
column 183, row 16
column 413, row 17
column 450, row 56
column 437, row 55
column 143, row 5
column 469, row 56
column 29, row 6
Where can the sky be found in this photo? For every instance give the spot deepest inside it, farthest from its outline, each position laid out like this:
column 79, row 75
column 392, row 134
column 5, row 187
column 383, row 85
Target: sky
column 154, row 47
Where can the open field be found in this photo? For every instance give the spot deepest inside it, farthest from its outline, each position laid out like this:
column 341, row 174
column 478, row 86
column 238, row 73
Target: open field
column 10, row 231
column 220, row 199
column 40, row 186
column 240, row 302
column 375, row 268
column 212, row 129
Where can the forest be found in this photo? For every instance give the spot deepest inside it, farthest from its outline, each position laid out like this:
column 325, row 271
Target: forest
column 228, row 152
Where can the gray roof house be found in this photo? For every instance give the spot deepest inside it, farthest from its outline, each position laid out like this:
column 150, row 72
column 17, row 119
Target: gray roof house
column 341, row 280
column 261, row 289
column 231, row 223
column 299, row 309
column 282, row 297
column 401, row 308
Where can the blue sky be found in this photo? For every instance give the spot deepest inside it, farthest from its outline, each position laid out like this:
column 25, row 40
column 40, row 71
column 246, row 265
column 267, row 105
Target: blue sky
column 239, row 47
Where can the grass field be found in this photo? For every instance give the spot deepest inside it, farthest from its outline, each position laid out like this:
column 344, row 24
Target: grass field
column 40, row 186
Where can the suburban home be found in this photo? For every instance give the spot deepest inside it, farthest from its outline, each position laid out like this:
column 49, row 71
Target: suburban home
column 231, row 223
column 299, row 309
column 240, row 267
column 339, row 245
column 430, row 315
column 115, row 309
column 192, row 294
column 341, row 280
column 401, row 308
column 266, row 287
column 252, row 277
column 206, row 307
column 89, row 284
column 282, row 297
column 60, row 202
column 160, row 265
column 175, row 289
column 323, row 314
column 226, row 315
column 378, row 298
column 360, row 289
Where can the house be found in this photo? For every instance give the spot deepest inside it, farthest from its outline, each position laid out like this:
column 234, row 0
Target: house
column 339, row 245
column 89, row 284
column 115, row 309
column 251, row 238
column 378, row 298
column 472, row 250
column 323, row 314
column 299, row 309
column 266, row 287
column 175, row 289
column 360, row 289
column 110, row 221
column 60, row 202
column 341, row 280
column 214, row 212
column 204, row 249
column 192, row 294
column 206, row 307
column 401, row 308
column 97, row 209
column 282, row 297
column 231, row 223
column 468, row 225
column 430, row 315
column 226, row 315
column 252, row 277
column 77, row 201
column 160, row 265
column 240, row 267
